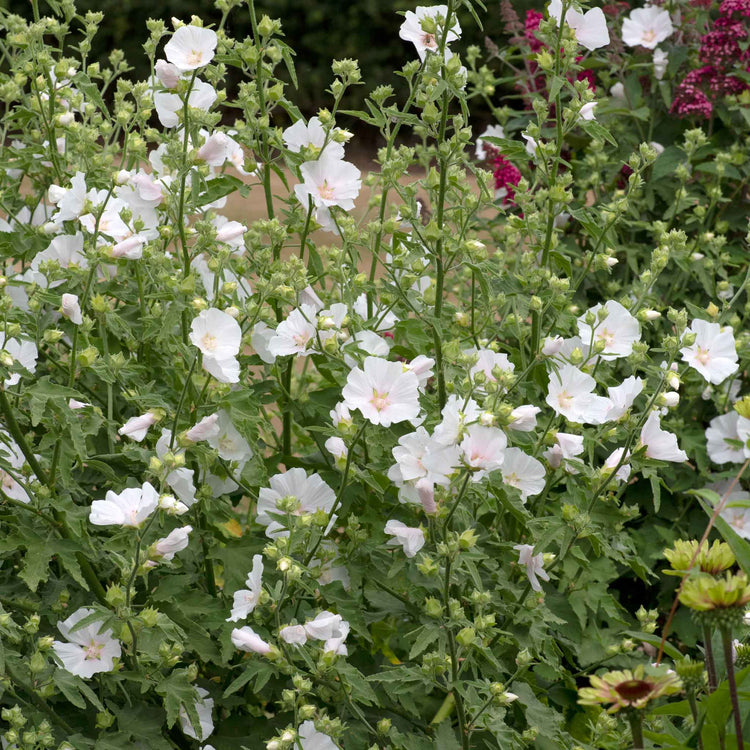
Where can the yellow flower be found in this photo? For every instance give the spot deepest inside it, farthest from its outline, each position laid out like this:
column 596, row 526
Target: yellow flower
column 629, row 688
column 704, row 593
column 713, row 559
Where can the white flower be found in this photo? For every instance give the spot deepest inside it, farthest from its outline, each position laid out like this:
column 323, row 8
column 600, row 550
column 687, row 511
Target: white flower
column 337, row 448
column 168, row 74
column 324, row 626
column 311, row 739
column 169, row 106
column 137, row 427
column 383, row 392
column 411, row 29
column 571, row 394
column 457, row 414
column 618, row 331
column 487, row 361
column 71, row 309
column 203, row 707
column 420, row 456
column 70, row 205
column 166, row 548
column 74, row 404
column 661, row 60
column 260, row 339
column 623, row 473
column 293, row 634
column 660, row 444
column 88, row 651
column 410, row 539
column 172, row 506
column 483, row 449
column 190, row 48
column 228, row 441
column 421, row 366
column 301, row 135
column 218, row 336
column 552, row 346
column 245, row 600
column 587, row 111
column 617, row 91
column 336, row 644
column 622, row 397
column 312, row 494
column 11, row 452
column 207, row 428
column 246, row 639
column 590, row 28
column 713, row 354
column 523, row 418
column 523, row 472
column 23, row 352
column 723, row 440
column 646, row 27
column 532, row 147
column 329, row 182
column 295, row 334
column 493, row 131
column 534, row 565
column 130, row 508
column 738, row 517
column 566, row 447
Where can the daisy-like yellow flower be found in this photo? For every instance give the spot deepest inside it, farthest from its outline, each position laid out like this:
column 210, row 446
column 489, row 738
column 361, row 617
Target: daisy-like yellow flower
column 717, row 600
column 711, row 559
column 627, row 688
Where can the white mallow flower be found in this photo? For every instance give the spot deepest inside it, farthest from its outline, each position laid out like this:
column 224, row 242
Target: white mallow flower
column 738, row 517
column 622, row 397
column 87, row 651
column 552, row 346
column 190, row 48
column 324, row 626
column 618, row 331
column 411, row 29
column 571, row 395
column 660, row 444
column 590, row 28
column 419, row 456
column 260, row 339
column 136, row 428
column 409, row 538
column 204, row 707
column 312, row 494
column 532, row 147
column 647, row 27
column 337, row 448
column 534, row 565
column 457, row 414
column 337, row 645
column 566, row 447
column 661, row 60
column 131, row 507
column 623, row 473
column 310, row 738
column 301, row 135
column 168, row 74
column 723, row 440
column 713, row 353
column 296, row 335
column 218, row 336
column 169, row 106
column 421, row 366
column 483, row 450
column 167, row 547
column 587, row 111
column 329, row 182
column 172, row 506
column 523, row 418
column 70, row 204
column 245, row 600
column 493, row 131
column 23, row 352
column 229, row 442
column 71, row 309
column 523, row 472
column 246, row 639
column 487, row 361
column 293, row 634
column 207, row 429
column 383, row 392
column 11, row 452
column 220, row 148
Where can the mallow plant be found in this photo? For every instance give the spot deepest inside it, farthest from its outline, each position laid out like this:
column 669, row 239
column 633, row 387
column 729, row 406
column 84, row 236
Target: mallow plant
column 408, row 461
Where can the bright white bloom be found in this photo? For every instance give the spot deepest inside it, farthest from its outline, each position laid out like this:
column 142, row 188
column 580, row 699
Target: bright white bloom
column 421, row 366
column 738, row 517
column 172, row 506
column 167, row 547
column 88, row 651
column 190, row 48
column 647, row 27
column 623, row 473
column 493, row 131
column 312, row 494
column 218, row 336
column 11, row 452
column 337, row 644
column 483, row 449
column 524, row 418
column 329, row 182
column 713, row 353
column 571, row 394
column 660, row 444
column 622, row 397
column 337, row 448
column 295, row 334
column 245, row 600
column 532, row 147
column 487, row 361
column 324, row 626
column 411, row 29
column 383, row 392
column 71, row 309
column 457, row 414
column 293, row 634
column 311, row 739
column 260, row 339
column 130, row 508
column 618, row 91
column 312, row 135
column 73, row 404
column 409, row 538
column 23, row 352
column 246, row 639
column 723, row 440
column 137, row 427
column 204, row 707
column 590, row 28
column 168, row 74
column 420, row 456
column 208, row 428
column 552, row 346
column 523, row 472
column 587, row 111
column 534, row 565
column 566, row 447
column 340, row 415
column 169, row 106
column 228, row 441
column 661, row 60
column 70, row 204
column 618, row 331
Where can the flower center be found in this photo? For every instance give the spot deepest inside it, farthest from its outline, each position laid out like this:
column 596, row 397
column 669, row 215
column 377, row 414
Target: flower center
column 512, row 479
column 195, row 57
column 607, row 337
column 634, row 690
column 380, row 400
column 6, row 480
column 429, row 41
column 649, row 35
column 93, row 651
column 209, row 342
column 325, row 191
column 565, row 400
column 702, row 355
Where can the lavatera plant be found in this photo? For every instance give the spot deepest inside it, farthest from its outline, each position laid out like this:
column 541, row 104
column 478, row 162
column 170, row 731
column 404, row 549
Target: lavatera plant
column 396, row 464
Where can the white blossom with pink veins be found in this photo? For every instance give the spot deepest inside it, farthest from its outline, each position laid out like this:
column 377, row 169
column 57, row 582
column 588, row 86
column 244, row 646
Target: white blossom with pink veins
column 618, row 331
column 312, row 134
column 383, row 392
column 218, row 336
column 246, row 639
column 87, row 651
column 590, row 28
column 534, row 565
column 571, row 395
column 409, row 538
column 483, row 450
column 647, row 27
column 523, row 472
column 202, row 96
column 723, row 440
column 207, row 428
column 131, row 507
column 294, row 335
column 190, row 48
column 329, row 182
column 411, row 29
column 312, row 494
column 136, row 428
column 660, row 444
column 245, row 600
column 713, row 353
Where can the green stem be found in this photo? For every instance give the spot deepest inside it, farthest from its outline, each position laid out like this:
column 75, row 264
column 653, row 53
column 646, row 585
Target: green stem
column 726, row 640
column 457, row 501
column 710, row 663
column 636, row 728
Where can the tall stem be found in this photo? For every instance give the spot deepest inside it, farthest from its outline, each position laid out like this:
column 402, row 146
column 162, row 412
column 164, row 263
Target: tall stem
column 726, row 640
column 636, row 729
column 710, row 663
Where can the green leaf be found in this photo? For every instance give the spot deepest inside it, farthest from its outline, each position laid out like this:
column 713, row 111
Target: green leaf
column 178, row 690
column 218, row 188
